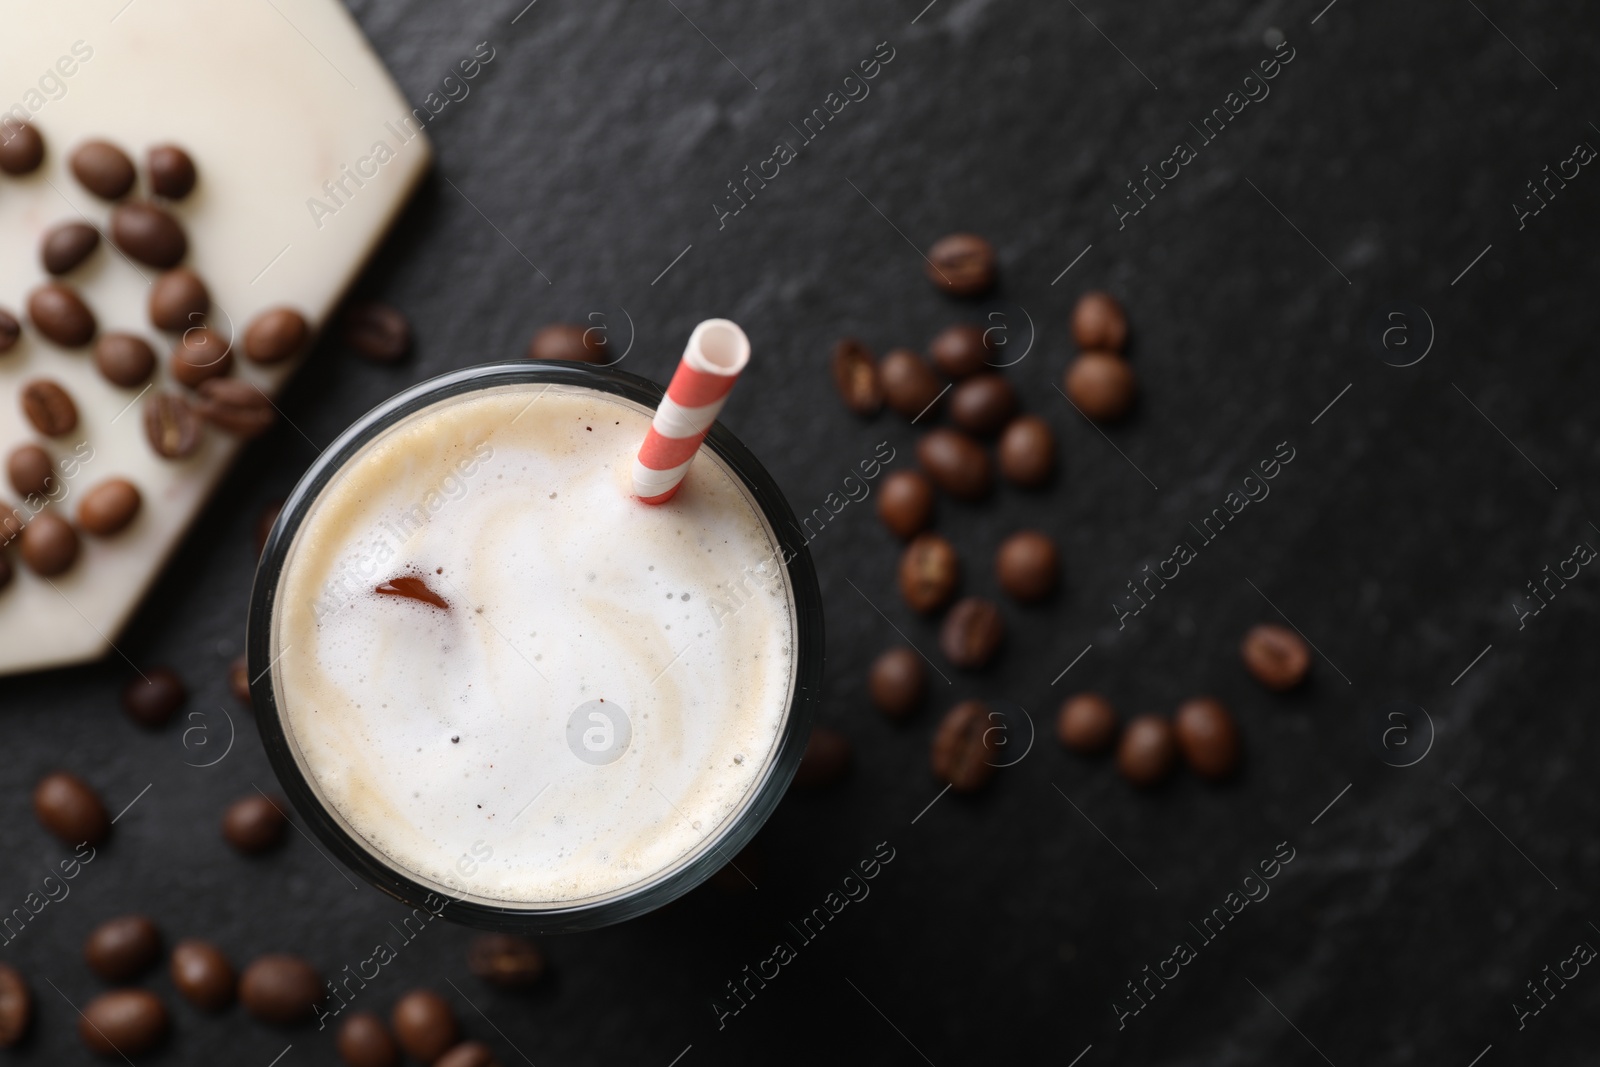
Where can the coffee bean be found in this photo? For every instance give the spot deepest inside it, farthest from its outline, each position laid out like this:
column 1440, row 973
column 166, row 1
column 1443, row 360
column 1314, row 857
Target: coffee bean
column 280, row 988
column 364, row 1041
column 67, row 245
column 962, row 264
column 68, row 808
column 569, row 342
column 21, row 147
column 468, row 1054
column 276, row 335
column 1147, row 751
column 235, row 406
column 1207, row 737
column 153, row 699
column 506, row 960
column 910, row 385
column 49, row 407
column 425, row 1024
column 172, row 172
column 49, row 544
column 959, row 351
column 826, row 759
column 377, row 331
column 972, row 633
column 897, row 682
column 178, row 300
column 57, row 311
column 905, row 503
column 200, row 355
column 102, row 168
column 929, row 571
column 11, row 523
column 148, row 234
column 203, row 975
column 1275, row 655
column 123, row 948
column 16, row 1006
column 1087, row 723
column 1027, row 452
column 239, row 680
column 964, row 747
column 254, row 824
column 1101, row 385
column 1026, row 565
column 956, row 463
column 31, row 471
column 124, row 359
column 1098, row 323
column 983, row 404
column 7, row 571
column 10, row 331
column 264, row 523
column 108, row 507
column 124, row 1022
column 855, row 374
column 171, row 425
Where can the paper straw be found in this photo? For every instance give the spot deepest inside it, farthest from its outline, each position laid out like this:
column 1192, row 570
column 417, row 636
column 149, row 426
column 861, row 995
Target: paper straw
column 717, row 351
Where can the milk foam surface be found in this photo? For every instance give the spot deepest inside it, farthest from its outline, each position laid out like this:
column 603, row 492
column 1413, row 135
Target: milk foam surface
column 440, row 736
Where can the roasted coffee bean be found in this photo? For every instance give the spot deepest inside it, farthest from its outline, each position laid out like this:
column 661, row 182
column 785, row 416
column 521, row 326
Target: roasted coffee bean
column 959, row 351
column 203, row 975
column 31, row 471
column 68, row 808
column 67, row 245
column 10, row 331
column 124, row 359
column 7, row 571
column 280, row 988
column 148, row 234
column 200, row 355
column 239, row 680
column 171, row 425
column 1087, row 723
column 468, row 1054
column 956, row 463
column 855, row 374
column 57, row 311
column 49, row 544
column 124, row 1022
column 506, row 959
column 897, row 682
column 178, row 300
column 276, row 335
column 376, row 331
column 264, row 523
column 16, row 1006
column 964, row 747
column 123, row 948
column 253, row 824
column 826, row 759
column 1147, row 751
column 1101, row 385
column 364, row 1041
column 1207, row 737
column 569, row 342
column 172, row 172
column 425, row 1024
column 1027, row 564
column 1098, row 323
column 972, row 633
column 929, row 571
column 910, row 385
column 1027, row 452
column 21, row 147
column 905, row 503
column 108, row 507
column 49, row 407
column 1275, row 655
column 235, row 406
column 102, row 168
column 155, row 697
column 983, row 404
column 962, row 264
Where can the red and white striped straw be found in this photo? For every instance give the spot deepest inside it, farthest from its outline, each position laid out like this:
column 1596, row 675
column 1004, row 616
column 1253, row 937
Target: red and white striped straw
column 717, row 351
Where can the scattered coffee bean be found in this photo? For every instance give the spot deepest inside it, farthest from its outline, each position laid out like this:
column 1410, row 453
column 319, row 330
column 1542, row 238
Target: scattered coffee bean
column 964, row 747
column 983, row 404
column 956, row 463
column 826, row 759
column 235, row 406
column 123, row 948
column 280, row 988
column 425, row 1024
column 1101, row 385
column 253, row 824
column 68, row 808
column 16, row 1006
column 172, row 172
column 507, row 960
column 569, row 342
column 468, row 1054
column 102, row 168
column 67, row 245
column 155, row 697
column 1275, row 655
column 239, row 680
column 1027, row 564
column 49, row 407
column 276, row 335
column 200, row 355
column 1207, row 737
column 929, row 571
column 910, row 386
column 10, row 331
column 148, row 234
column 897, row 682
column 962, row 264
column 178, row 300
column 376, row 331
column 1087, row 723
column 364, row 1041
column 124, row 359
column 124, row 1022
column 31, row 471
column 972, row 633
column 203, row 975
column 58, row 312
column 1098, row 323
column 959, row 351
column 107, row 508
column 855, row 374
column 264, row 523
column 1027, row 452
column 171, row 425
column 905, row 503
column 21, row 147
column 1147, row 751
column 49, row 544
